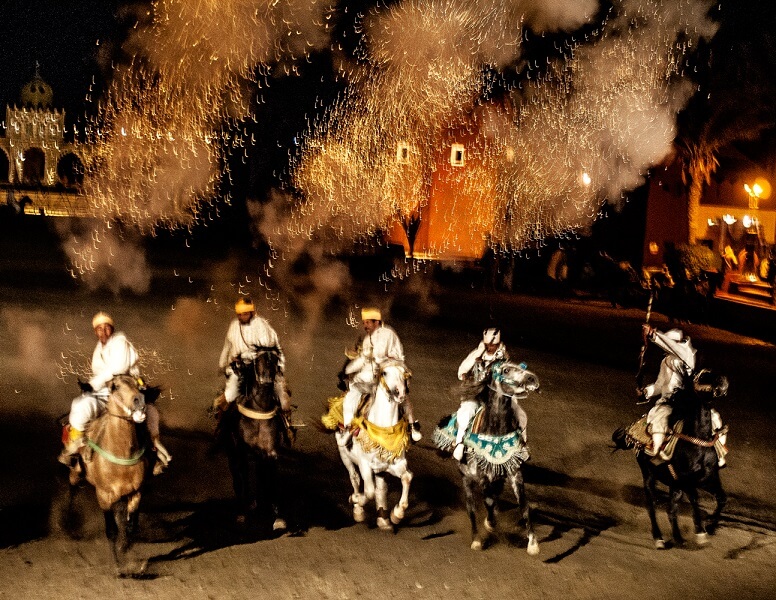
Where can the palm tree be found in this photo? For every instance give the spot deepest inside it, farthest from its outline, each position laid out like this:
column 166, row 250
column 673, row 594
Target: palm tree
column 735, row 98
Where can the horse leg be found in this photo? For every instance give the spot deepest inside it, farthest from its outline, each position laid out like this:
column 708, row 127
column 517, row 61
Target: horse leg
column 651, row 496
column 471, row 508
column 116, row 525
column 701, row 537
column 357, row 499
column 271, row 485
column 673, row 515
column 397, row 514
column 518, row 487
column 381, row 502
column 714, row 487
column 238, row 467
column 491, row 491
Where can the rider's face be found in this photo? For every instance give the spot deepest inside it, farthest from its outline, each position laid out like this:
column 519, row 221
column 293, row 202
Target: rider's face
column 245, row 317
column 370, row 325
column 103, row 331
column 491, row 348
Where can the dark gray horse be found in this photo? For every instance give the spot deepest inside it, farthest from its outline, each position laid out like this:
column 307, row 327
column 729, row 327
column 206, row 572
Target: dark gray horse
column 253, row 430
column 694, row 464
column 494, row 446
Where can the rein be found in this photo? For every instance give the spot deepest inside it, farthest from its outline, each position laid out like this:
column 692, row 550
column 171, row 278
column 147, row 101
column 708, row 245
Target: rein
column 116, row 460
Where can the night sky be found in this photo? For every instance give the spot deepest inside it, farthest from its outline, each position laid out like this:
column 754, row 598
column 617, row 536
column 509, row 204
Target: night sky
column 62, row 36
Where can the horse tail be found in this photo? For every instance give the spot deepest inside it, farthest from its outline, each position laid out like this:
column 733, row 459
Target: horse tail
column 621, row 439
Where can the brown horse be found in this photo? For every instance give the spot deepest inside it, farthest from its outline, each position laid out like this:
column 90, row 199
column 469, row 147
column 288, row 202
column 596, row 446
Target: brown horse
column 115, row 461
column 254, row 430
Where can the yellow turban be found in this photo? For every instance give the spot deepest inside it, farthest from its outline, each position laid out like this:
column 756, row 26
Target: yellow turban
column 244, row 305
column 102, row 318
column 372, row 314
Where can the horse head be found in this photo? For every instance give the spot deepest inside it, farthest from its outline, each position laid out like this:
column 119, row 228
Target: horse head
column 262, row 369
column 126, row 399
column 709, row 386
column 510, row 379
column 394, row 377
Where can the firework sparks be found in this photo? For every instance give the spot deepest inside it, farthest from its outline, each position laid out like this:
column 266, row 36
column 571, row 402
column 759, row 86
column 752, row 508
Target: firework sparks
column 171, row 118
column 605, row 109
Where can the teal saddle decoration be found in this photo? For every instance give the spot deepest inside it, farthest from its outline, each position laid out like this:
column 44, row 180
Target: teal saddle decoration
column 496, row 455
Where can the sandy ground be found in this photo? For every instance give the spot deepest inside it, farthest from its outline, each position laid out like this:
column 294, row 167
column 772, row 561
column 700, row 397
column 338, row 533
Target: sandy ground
column 587, row 502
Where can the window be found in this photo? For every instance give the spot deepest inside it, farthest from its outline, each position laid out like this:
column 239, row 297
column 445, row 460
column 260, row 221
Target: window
column 457, row 155
column 402, row 153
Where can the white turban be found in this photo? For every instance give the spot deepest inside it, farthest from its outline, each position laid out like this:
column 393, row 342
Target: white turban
column 101, row 318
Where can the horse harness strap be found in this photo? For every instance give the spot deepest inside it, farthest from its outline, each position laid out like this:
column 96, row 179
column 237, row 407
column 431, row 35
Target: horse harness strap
column 124, row 462
column 255, row 414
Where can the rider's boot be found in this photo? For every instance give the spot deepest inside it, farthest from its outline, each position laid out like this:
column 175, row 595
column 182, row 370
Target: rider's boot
column 415, row 431
column 458, row 452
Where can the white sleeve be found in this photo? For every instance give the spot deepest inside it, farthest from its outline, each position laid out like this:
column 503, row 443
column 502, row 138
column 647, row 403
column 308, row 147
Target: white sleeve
column 223, row 361
column 469, row 361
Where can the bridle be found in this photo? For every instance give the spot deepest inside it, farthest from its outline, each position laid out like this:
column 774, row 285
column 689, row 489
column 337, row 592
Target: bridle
column 406, row 374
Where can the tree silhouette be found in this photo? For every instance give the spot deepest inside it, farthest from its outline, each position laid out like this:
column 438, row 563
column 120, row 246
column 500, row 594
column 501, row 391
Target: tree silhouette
column 736, row 91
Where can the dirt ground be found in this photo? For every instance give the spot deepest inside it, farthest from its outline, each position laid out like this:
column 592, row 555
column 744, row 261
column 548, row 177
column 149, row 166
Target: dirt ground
column 587, row 502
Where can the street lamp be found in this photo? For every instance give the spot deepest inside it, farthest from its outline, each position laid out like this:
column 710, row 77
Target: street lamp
column 754, row 191
column 760, row 189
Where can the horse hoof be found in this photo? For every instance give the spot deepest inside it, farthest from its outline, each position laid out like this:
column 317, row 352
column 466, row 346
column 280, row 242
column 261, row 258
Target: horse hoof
column 490, row 526
column 358, row 513
column 384, row 524
column 279, row 525
column 533, row 546
column 701, row 538
column 397, row 514
column 660, row 545
column 476, row 545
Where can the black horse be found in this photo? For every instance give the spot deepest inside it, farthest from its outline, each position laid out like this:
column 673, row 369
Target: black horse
column 495, row 453
column 694, row 464
column 254, row 430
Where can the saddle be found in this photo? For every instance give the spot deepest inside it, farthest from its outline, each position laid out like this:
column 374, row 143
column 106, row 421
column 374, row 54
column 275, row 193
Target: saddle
column 640, row 435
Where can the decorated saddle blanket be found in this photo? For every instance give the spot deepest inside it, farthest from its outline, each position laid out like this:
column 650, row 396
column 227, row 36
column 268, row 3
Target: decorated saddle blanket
column 497, row 455
column 389, row 442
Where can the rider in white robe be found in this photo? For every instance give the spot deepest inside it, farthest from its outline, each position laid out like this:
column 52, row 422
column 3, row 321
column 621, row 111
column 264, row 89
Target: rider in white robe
column 380, row 343
column 113, row 355
column 677, row 365
column 474, row 368
column 247, row 333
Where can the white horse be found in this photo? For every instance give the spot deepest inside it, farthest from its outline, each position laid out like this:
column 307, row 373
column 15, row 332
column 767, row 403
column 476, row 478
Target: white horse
column 376, row 446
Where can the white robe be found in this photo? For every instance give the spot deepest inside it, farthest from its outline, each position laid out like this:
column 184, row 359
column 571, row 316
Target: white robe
column 381, row 345
column 117, row 356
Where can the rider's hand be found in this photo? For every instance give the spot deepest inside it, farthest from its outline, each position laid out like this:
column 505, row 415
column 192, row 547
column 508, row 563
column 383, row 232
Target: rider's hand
column 647, row 332
column 85, row 386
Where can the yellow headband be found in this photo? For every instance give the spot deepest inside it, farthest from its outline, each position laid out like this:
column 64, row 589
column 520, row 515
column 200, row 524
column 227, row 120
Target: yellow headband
column 101, row 318
column 244, row 306
column 371, row 314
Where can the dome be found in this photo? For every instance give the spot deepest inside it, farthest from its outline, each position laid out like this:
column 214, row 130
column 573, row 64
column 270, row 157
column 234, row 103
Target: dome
column 37, row 93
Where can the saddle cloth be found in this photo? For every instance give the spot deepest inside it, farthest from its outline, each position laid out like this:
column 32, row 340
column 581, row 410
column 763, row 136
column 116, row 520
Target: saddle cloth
column 497, row 455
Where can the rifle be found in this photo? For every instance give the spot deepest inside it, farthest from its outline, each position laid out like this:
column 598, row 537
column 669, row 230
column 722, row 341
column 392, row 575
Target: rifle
column 640, row 372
